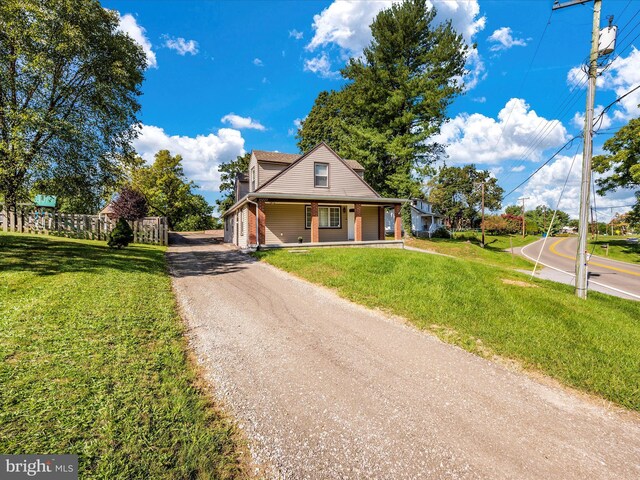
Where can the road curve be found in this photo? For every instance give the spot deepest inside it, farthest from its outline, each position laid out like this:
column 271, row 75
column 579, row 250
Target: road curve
column 605, row 275
column 324, row 388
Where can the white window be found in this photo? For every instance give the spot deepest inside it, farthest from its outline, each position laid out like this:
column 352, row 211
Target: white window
column 321, row 175
column 253, row 179
column 328, row 217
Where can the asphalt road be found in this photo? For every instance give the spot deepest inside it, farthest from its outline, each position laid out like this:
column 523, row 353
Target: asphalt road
column 605, row 275
column 324, row 388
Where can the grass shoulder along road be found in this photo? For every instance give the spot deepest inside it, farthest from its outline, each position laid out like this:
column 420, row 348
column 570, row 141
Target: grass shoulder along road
column 93, row 362
column 593, row 345
column 467, row 246
column 619, row 248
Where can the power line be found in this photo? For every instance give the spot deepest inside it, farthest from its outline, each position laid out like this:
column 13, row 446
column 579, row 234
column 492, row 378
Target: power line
column 572, row 140
column 544, row 164
column 524, row 78
column 570, row 99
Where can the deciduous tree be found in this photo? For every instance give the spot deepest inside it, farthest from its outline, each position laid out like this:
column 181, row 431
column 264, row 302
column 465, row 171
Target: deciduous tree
column 456, row 193
column 621, row 165
column 69, row 82
column 228, row 173
column 170, row 194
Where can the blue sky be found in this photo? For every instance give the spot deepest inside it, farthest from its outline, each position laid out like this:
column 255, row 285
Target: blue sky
column 226, row 77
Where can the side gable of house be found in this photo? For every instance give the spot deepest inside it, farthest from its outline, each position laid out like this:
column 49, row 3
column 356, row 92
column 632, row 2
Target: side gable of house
column 299, row 177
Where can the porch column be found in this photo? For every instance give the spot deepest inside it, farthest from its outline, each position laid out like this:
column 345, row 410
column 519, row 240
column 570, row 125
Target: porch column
column 252, row 224
column 315, row 232
column 381, row 223
column 357, row 225
column 397, row 223
column 262, row 221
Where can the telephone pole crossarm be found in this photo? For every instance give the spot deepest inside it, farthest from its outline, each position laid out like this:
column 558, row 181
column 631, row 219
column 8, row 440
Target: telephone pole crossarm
column 557, row 5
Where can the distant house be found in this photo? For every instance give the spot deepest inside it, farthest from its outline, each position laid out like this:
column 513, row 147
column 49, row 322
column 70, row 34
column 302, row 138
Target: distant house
column 108, row 212
column 424, row 220
column 569, row 230
column 313, row 198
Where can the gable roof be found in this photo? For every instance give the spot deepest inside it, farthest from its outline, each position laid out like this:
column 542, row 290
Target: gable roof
column 289, row 158
column 320, row 145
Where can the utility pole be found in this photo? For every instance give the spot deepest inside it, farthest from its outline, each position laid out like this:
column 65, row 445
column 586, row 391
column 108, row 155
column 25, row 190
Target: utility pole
column 587, row 151
column 524, row 230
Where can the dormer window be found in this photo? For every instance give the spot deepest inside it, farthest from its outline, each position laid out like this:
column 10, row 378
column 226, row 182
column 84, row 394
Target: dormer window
column 321, row 175
column 253, row 179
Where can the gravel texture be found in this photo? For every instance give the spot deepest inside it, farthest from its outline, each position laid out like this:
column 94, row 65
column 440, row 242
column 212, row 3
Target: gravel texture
column 324, row 388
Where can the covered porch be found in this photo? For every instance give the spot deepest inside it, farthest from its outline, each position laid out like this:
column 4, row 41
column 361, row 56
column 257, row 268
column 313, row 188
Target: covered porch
column 331, row 221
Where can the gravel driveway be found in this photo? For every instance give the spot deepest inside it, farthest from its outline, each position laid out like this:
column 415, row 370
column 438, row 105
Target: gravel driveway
column 327, row 389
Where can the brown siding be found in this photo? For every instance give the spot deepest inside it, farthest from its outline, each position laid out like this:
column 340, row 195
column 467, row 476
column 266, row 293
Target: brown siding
column 285, row 223
column 253, row 163
column 243, row 233
column 369, row 223
column 300, row 178
column 268, row 171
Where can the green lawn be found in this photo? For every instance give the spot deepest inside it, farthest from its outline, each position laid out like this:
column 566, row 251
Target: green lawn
column 468, row 246
column 93, row 362
column 593, row 345
column 619, row 248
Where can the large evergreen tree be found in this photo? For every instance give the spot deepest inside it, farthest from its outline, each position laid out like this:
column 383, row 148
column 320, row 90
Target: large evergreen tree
column 69, row 81
column 396, row 99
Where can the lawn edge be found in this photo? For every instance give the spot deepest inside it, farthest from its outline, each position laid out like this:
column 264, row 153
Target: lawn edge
column 246, row 467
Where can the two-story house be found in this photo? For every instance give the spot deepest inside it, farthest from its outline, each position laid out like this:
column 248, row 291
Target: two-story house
column 311, row 198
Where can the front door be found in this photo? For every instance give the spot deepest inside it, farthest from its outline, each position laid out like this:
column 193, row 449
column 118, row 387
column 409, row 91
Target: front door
column 351, row 222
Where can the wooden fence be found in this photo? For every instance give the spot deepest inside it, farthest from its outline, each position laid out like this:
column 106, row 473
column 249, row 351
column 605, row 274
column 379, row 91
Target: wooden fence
column 152, row 230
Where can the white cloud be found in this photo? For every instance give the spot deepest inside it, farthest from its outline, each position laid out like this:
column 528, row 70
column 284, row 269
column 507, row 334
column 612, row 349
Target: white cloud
column 236, row 121
column 479, row 139
column 257, row 62
column 576, row 77
column 519, row 168
column 296, row 34
column 495, row 171
column 129, row 25
column 621, row 76
column 297, row 123
column 181, row 45
column 600, row 123
column 502, row 39
column 545, row 188
column 346, row 22
column 479, row 99
column 320, row 65
column 201, row 154
column 346, row 25
column 476, row 71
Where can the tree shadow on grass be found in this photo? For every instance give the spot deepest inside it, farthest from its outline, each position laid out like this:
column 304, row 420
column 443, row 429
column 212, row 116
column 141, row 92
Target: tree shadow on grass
column 50, row 256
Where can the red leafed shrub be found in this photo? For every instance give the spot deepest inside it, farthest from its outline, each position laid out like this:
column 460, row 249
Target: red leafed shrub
column 130, row 205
